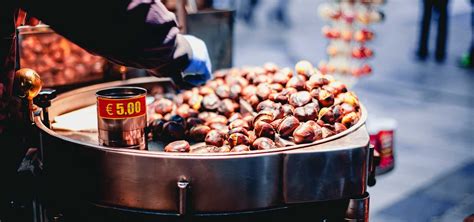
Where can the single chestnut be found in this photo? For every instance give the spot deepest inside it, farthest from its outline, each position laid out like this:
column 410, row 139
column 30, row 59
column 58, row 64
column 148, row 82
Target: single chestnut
column 164, row 106
column 304, row 134
column 235, row 91
column 304, row 68
column 288, row 109
column 210, row 102
column 300, row 98
column 339, row 127
column 238, row 139
column 325, row 98
column 193, row 121
column 235, row 116
column 307, row 112
column 249, row 91
column 326, row 115
column 215, row 138
column 217, row 119
column 240, row 148
column 264, row 129
column 326, row 132
column 263, row 144
column 278, row 98
column 263, row 91
column 223, row 91
column 180, row 146
column 239, row 130
column 350, row 119
column 156, row 128
column 239, row 123
column 264, row 116
column 195, row 101
column 280, row 78
column 253, row 101
column 172, row 131
column 296, row 82
column 199, row 132
column 276, row 123
column 226, row 107
column 287, row 126
column 178, row 119
column 267, row 104
column 183, row 110
column 205, row 90
column 252, row 137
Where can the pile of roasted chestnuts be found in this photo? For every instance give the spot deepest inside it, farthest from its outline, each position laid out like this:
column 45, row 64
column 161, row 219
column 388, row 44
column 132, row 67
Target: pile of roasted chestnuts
column 254, row 108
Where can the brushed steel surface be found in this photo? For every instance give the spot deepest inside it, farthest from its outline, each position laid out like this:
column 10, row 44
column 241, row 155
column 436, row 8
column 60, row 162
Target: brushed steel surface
column 327, row 170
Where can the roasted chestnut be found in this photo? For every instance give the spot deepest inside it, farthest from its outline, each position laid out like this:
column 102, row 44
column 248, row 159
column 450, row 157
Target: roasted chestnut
column 263, row 91
column 280, row 78
column 304, row 134
column 240, row 148
column 235, row 91
column 287, row 126
column 326, row 132
column 263, row 144
column 276, row 123
column 239, row 130
column 207, row 115
column 267, row 104
column 264, row 116
column 199, row 132
column 307, row 112
column 326, row 115
column 339, row 127
column 172, row 131
column 239, row 123
column 195, row 101
column 325, row 98
column 276, row 87
column 252, row 136
column 215, row 138
column 178, row 119
column 156, row 128
column 210, row 102
column 254, row 101
column 238, row 139
column 217, row 119
column 350, row 119
column 223, row 91
column 164, row 106
column 278, row 98
column 300, row 98
column 296, row 82
column 304, row 68
column 181, row 146
column 264, row 129
column 226, row 107
column 206, row 90
column 235, row 116
column 249, row 91
column 287, row 109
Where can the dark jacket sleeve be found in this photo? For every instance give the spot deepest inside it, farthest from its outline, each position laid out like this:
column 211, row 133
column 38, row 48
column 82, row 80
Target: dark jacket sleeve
column 137, row 33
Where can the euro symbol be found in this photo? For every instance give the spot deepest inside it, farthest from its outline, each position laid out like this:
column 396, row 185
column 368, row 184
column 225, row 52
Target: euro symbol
column 109, row 109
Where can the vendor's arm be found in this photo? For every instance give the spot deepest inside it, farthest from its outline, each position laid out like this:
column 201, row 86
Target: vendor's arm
column 138, row 33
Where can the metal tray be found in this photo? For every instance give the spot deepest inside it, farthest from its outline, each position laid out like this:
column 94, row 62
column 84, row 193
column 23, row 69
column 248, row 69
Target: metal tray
column 330, row 169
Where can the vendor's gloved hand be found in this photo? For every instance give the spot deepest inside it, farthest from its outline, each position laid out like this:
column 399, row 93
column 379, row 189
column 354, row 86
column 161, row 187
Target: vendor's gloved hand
column 199, row 68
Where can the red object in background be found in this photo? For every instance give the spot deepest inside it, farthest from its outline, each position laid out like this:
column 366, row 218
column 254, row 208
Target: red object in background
column 382, row 138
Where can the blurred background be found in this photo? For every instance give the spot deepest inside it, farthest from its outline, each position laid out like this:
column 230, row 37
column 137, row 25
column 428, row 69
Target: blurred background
column 431, row 100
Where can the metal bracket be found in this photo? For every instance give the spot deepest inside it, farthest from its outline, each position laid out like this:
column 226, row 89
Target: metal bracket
column 358, row 209
column 183, row 189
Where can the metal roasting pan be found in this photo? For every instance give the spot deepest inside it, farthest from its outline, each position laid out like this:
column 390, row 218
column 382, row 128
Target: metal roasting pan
column 330, row 169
